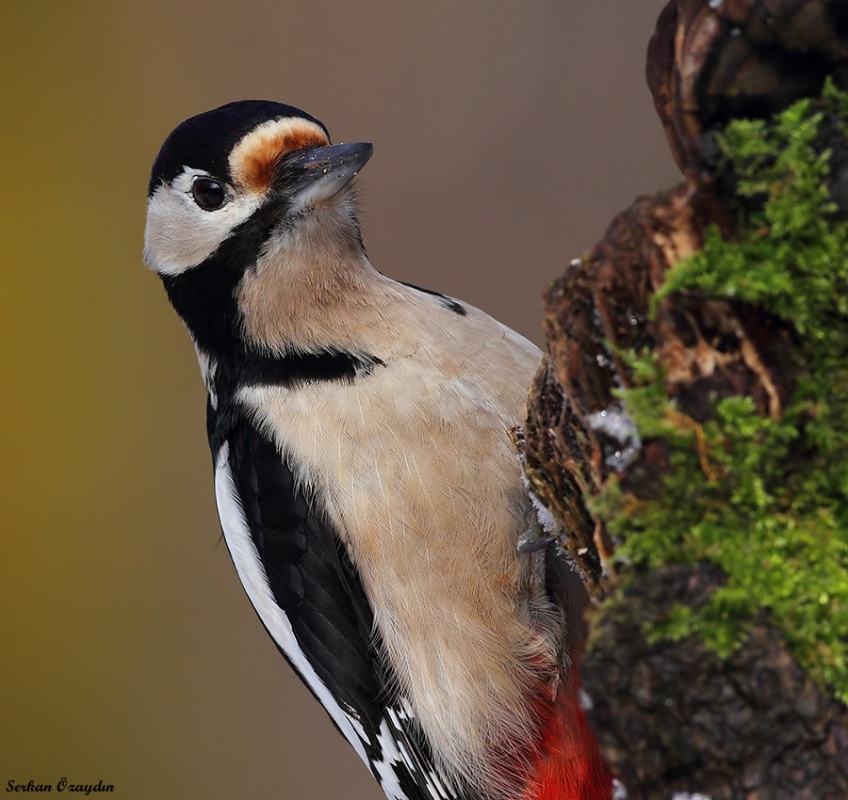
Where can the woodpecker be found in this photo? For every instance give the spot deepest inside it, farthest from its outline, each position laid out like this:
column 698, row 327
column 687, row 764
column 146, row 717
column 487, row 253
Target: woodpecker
column 366, row 485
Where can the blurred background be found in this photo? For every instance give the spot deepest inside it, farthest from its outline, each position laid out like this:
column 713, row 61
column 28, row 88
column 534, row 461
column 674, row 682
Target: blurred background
column 507, row 136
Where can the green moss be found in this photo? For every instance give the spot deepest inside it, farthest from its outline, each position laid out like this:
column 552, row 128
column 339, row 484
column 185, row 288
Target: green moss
column 766, row 500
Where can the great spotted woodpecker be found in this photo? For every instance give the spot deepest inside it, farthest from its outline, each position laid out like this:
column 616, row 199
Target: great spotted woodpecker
column 366, row 484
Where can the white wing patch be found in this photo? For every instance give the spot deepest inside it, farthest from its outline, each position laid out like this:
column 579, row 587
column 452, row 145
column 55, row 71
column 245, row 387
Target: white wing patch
column 253, row 578
column 395, row 753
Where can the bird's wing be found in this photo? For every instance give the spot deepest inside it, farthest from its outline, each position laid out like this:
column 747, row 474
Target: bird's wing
column 306, row 591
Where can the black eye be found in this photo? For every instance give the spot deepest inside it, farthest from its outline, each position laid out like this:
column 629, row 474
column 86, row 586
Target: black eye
column 208, row 193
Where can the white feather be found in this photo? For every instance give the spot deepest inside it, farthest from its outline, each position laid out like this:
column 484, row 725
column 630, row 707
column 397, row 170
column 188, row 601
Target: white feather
column 253, row 578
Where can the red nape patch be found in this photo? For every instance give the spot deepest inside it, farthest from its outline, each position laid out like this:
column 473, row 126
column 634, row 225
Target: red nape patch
column 255, row 157
column 568, row 762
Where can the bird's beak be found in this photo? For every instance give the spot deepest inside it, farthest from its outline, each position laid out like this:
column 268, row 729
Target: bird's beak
column 312, row 174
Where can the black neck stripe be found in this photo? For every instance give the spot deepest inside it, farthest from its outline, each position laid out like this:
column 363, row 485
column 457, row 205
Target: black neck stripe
column 293, row 369
column 233, row 372
column 205, row 296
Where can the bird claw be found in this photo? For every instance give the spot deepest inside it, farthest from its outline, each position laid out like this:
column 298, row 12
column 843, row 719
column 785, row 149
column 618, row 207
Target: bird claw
column 527, row 545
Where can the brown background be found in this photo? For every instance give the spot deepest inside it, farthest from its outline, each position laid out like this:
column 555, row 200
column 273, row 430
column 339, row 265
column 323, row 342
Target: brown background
column 507, row 135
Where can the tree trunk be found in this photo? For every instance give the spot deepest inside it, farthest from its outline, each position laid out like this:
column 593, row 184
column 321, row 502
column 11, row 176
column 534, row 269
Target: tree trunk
column 678, row 708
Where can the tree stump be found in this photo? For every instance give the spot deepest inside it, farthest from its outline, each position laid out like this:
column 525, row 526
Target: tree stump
column 644, row 399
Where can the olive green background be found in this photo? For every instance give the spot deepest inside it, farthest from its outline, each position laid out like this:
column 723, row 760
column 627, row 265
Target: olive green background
column 507, row 135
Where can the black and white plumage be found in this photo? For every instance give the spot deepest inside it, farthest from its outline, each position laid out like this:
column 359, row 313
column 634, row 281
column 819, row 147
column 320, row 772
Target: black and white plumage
column 365, row 481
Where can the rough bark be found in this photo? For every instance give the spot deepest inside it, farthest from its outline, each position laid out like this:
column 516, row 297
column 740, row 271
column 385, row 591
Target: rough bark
column 673, row 716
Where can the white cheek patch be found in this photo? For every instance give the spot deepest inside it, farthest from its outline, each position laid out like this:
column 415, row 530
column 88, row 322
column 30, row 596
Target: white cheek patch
column 179, row 234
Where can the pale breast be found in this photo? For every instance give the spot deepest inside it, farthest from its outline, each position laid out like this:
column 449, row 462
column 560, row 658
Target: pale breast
column 414, row 467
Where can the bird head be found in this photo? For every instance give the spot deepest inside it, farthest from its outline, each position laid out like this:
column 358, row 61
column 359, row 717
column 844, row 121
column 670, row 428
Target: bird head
column 233, row 184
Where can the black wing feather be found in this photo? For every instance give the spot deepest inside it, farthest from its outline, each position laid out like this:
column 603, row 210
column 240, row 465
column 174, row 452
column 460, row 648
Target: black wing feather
column 300, row 554
column 310, row 573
